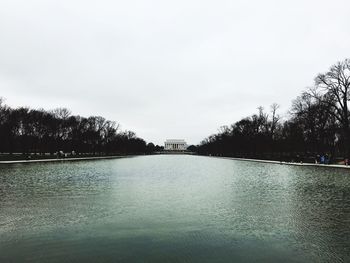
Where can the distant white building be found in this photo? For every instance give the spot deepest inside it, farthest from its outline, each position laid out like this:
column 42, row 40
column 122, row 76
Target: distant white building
column 175, row 145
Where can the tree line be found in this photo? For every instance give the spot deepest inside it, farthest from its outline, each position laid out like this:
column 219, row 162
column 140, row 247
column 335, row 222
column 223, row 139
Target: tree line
column 26, row 130
column 318, row 124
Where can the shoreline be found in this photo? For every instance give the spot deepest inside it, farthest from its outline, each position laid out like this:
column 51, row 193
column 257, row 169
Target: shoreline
column 220, row 157
column 65, row 159
column 285, row 163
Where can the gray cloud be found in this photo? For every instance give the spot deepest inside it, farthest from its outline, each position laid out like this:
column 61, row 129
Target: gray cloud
column 164, row 69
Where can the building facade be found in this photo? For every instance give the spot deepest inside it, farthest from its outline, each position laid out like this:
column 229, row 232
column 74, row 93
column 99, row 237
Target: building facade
column 175, row 145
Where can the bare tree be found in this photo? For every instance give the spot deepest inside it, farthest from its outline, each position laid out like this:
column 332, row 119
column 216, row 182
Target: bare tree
column 333, row 88
column 262, row 121
column 2, row 109
column 61, row 113
column 224, row 129
column 275, row 118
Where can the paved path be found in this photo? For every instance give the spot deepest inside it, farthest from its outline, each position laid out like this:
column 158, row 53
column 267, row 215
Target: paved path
column 289, row 163
column 65, row 159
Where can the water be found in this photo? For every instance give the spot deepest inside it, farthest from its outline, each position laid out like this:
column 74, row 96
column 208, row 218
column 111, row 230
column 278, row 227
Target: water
column 173, row 208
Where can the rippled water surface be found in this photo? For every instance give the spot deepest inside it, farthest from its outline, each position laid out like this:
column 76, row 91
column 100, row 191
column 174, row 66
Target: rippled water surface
column 173, row 208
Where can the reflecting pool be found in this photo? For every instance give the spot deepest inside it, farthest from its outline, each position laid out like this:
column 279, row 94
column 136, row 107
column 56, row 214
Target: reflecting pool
column 173, row 208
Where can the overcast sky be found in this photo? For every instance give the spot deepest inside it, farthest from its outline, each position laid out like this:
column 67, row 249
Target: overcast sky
column 167, row 69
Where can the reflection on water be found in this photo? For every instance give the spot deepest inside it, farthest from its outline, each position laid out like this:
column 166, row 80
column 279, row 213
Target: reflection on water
column 173, row 208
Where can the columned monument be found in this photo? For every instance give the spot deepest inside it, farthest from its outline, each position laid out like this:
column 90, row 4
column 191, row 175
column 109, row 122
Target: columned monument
column 175, row 145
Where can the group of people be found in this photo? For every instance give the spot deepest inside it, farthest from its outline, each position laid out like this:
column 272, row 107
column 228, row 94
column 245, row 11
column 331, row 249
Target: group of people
column 322, row 159
column 326, row 159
